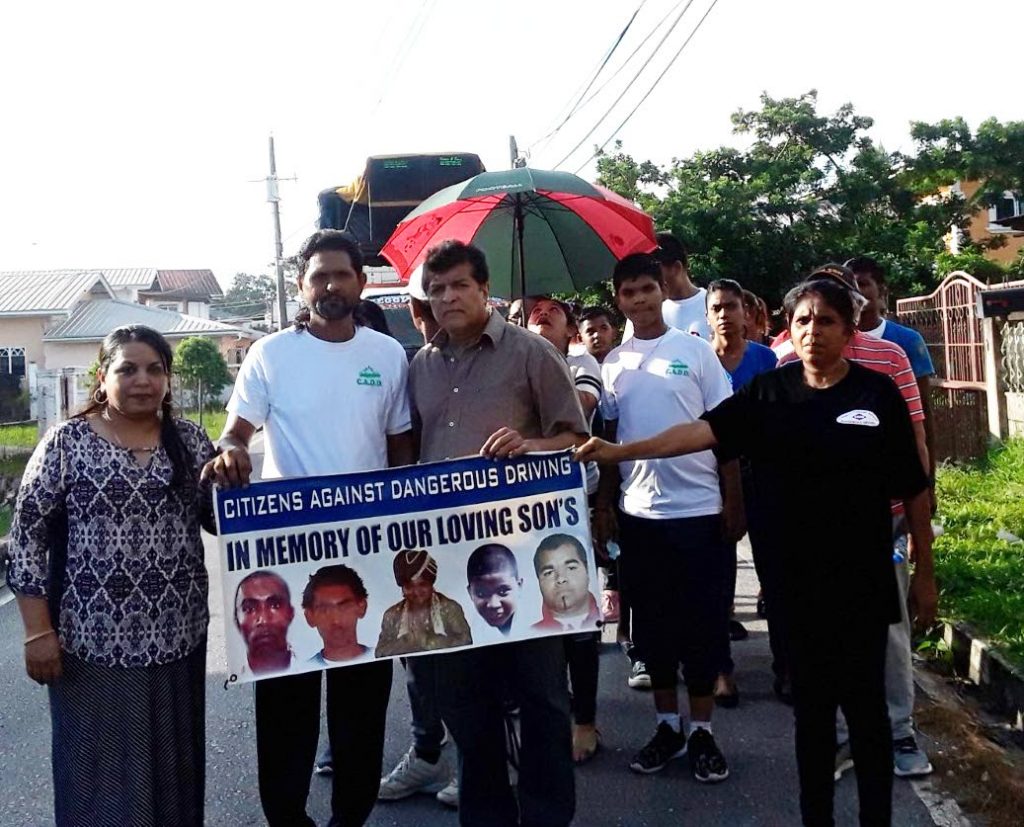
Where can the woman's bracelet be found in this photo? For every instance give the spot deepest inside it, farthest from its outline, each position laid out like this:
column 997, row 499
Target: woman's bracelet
column 39, row 635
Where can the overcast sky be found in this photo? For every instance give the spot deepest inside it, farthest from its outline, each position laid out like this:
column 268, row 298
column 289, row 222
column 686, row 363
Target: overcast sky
column 131, row 131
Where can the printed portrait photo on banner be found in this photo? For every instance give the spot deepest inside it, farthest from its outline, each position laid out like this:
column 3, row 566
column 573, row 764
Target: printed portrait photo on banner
column 263, row 613
column 334, row 601
column 564, row 577
column 494, row 585
column 424, row 620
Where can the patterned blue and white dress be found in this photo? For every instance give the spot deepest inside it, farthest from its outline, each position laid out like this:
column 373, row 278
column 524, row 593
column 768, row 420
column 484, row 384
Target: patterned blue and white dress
column 128, row 711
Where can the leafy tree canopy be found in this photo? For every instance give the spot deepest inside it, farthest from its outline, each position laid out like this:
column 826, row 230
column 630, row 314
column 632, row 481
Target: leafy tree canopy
column 201, row 367
column 811, row 188
column 250, row 295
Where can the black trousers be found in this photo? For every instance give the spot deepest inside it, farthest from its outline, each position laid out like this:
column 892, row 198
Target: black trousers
column 472, row 688
column 837, row 665
column 287, row 731
column 672, row 570
column 582, row 654
column 768, row 564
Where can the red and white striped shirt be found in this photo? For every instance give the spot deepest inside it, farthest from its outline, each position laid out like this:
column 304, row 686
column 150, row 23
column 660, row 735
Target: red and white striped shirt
column 877, row 354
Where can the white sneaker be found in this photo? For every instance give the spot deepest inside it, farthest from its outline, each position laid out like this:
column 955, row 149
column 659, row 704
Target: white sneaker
column 449, row 796
column 414, row 775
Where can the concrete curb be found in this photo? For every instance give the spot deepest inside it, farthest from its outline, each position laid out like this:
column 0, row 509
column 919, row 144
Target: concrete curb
column 1001, row 683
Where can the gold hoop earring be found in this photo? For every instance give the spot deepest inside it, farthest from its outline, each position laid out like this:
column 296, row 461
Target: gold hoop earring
column 99, row 396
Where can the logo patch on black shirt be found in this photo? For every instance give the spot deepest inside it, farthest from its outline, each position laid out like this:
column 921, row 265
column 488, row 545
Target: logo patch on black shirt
column 858, row 417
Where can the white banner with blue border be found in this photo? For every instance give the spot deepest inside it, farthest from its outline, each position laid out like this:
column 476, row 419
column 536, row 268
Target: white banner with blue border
column 331, row 571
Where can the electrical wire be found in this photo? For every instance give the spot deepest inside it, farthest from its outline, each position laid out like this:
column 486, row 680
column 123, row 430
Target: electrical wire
column 653, row 85
column 629, row 85
column 413, row 33
column 632, row 54
column 597, row 73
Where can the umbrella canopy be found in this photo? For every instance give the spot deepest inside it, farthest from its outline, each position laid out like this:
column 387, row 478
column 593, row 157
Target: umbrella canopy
column 542, row 232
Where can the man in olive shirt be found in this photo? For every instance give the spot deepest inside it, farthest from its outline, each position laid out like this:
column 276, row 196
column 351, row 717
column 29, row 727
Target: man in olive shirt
column 483, row 386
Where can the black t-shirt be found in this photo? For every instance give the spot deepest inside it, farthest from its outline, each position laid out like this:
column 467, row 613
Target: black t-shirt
column 826, row 465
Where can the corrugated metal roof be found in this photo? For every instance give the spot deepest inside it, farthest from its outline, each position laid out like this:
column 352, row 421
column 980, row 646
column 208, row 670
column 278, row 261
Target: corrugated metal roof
column 200, row 284
column 46, row 291
column 91, row 321
column 143, row 277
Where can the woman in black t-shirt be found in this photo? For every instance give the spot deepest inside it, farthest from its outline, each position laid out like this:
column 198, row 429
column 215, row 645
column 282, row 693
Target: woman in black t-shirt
column 831, row 444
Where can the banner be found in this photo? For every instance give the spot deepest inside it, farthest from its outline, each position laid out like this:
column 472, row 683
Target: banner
column 332, row 571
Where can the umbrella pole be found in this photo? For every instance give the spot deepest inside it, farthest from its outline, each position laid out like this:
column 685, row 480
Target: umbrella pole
column 518, row 220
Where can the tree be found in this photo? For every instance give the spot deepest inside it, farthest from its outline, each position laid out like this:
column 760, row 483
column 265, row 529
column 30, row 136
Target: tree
column 250, row 295
column 812, row 188
column 202, row 367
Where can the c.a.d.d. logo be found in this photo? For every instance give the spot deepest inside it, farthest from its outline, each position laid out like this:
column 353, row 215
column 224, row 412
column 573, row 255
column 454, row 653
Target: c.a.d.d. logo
column 677, row 368
column 858, row 417
column 368, row 376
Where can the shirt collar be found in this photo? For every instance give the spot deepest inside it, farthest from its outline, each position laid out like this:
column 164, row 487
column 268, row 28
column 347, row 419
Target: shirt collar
column 492, row 332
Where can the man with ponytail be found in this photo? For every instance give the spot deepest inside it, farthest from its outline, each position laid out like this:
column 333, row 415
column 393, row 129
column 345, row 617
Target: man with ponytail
column 331, row 397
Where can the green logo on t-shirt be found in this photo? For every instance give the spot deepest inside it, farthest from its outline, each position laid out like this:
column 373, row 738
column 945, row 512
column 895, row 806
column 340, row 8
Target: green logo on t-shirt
column 368, row 376
column 677, row 368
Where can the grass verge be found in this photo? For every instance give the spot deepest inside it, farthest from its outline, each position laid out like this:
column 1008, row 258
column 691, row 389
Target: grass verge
column 980, row 573
column 213, row 421
column 20, row 435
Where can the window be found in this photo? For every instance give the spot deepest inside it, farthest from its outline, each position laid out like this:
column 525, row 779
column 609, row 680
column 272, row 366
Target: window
column 12, row 361
column 1006, row 207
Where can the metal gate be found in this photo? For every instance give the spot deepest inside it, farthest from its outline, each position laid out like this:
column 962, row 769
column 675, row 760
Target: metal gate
column 947, row 321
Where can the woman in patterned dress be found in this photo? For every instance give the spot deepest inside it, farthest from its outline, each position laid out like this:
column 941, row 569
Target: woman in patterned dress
column 107, row 566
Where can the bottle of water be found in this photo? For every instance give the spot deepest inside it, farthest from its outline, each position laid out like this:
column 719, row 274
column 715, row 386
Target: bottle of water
column 899, row 550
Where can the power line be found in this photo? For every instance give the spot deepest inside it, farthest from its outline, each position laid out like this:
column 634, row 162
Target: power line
column 629, row 85
column 413, row 33
column 632, row 54
column 653, row 85
column 575, row 106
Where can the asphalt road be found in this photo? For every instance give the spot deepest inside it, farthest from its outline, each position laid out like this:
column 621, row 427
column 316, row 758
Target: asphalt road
column 757, row 739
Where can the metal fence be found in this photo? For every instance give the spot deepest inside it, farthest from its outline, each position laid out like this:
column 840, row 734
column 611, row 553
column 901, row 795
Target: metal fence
column 1011, row 361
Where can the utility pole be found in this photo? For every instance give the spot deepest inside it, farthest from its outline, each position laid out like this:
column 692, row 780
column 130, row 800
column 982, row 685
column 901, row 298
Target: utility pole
column 513, row 151
column 274, row 199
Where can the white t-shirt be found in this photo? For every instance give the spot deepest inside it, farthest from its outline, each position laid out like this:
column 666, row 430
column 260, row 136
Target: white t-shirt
column 326, row 407
column 586, row 375
column 688, row 315
column 651, row 385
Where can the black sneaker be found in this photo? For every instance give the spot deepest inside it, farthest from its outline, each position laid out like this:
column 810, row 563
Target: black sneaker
column 737, row 631
column 639, row 677
column 706, row 759
column 662, row 748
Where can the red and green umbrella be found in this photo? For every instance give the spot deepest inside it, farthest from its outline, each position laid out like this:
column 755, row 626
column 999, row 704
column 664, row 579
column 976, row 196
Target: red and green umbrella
column 542, row 232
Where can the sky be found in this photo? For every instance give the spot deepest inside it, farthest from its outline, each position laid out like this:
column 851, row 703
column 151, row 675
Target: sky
column 135, row 134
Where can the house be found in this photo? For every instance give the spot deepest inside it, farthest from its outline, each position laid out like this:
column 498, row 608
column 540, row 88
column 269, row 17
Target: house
column 51, row 324
column 988, row 223
column 185, row 291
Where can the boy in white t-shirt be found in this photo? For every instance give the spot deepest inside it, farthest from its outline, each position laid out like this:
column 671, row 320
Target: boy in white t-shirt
column 669, row 516
column 684, row 304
